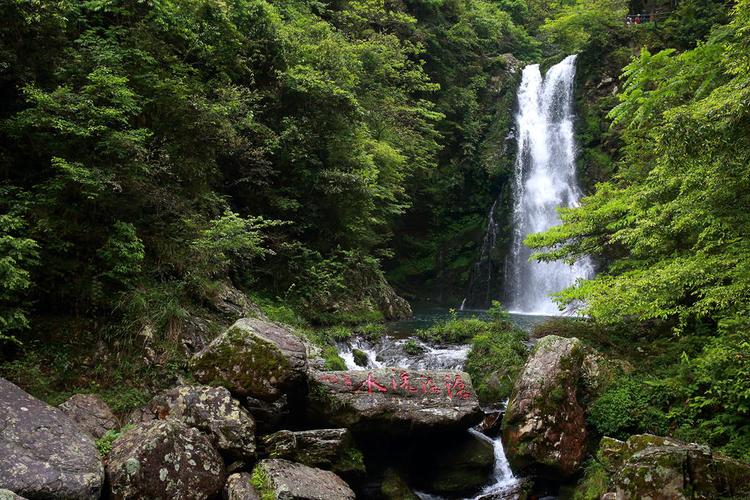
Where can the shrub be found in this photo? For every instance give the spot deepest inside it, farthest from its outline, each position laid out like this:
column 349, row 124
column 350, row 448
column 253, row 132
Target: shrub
column 497, row 355
column 453, row 331
column 630, row 405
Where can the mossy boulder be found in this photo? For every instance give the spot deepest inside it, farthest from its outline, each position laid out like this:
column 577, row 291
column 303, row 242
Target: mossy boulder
column 164, row 459
column 647, row 466
column 255, row 358
column 544, row 430
column 276, row 479
column 212, row 410
column 330, row 449
column 360, row 357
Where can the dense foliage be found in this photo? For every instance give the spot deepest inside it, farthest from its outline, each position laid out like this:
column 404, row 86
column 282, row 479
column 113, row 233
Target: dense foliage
column 671, row 230
column 159, row 147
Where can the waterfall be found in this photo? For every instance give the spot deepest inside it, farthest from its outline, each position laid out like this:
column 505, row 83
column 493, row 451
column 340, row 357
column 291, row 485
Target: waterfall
column 545, row 179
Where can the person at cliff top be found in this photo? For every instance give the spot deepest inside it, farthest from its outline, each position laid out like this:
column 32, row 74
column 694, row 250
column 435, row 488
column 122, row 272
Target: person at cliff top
column 638, row 19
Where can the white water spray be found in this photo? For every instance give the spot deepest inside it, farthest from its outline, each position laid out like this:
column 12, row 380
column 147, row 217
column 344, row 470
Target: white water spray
column 545, row 179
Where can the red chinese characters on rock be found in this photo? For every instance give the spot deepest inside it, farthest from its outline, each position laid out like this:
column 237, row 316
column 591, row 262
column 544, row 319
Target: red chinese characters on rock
column 371, row 383
column 456, row 387
column 404, row 383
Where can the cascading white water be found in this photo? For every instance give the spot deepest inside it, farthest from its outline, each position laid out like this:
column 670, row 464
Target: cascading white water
column 545, row 179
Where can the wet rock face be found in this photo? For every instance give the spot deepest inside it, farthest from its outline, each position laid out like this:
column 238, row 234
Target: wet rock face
column 253, row 358
column 544, row 430
column 239, row 487
column 286, row 480
column 90, row 414
column 394, row 400
column 42, row 451
column 212, row 410
column 164, row 459
column 647, row 466
column 331, row 449
column 454, row 464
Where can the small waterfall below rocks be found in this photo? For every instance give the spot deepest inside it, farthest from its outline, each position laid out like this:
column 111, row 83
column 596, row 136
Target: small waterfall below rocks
column 545, row 179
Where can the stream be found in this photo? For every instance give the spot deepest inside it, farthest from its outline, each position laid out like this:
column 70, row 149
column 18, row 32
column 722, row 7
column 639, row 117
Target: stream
column 390, row 350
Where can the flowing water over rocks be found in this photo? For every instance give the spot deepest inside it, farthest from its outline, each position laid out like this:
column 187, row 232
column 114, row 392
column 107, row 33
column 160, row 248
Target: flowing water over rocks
column 409, row 352
column 545, row 179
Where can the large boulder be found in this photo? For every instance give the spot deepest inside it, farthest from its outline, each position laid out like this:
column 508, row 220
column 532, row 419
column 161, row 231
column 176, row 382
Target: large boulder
column 253, row 358
column 164, row 459
column 544, row 431
column 330, row 449
column 647, row 466
column 239, row 487
column 212, row 410
column 90, row 414
column 394, row 400
column 284, row 480
column 42, row 451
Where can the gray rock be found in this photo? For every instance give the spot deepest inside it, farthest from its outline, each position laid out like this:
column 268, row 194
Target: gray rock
column 42, row 452
column 253, row 358
column 232, row 302
column 239, row 487
column 164, row 459
column 284, row 480
column 544, row 430
column 212, row 410
column 393, row 400
column 331, row 449
column 9, row 495
column 392, row 306
column 90, row 414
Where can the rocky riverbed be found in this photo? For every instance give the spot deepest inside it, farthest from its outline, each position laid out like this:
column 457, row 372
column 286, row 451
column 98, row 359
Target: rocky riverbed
column 262, row 419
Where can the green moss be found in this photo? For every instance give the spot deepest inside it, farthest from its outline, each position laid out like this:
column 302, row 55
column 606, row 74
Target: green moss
column 351, row 460
column 104, row 443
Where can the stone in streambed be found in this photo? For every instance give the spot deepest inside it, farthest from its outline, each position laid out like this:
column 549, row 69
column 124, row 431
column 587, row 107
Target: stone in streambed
column 90, row 414
column 254, row 358
column 164, row 459
column 544, row 431
column 330, row 449
column 43, row 454
column 212, row 410
column 393, row 401
column 360, row 357
column 284, row 480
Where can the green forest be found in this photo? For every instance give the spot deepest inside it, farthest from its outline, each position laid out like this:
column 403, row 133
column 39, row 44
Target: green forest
column 169, row 166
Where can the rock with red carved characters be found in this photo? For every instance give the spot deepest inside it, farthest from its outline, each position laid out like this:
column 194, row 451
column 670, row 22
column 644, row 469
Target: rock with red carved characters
column 394, row 401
